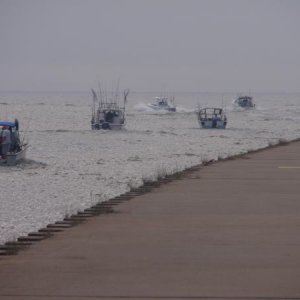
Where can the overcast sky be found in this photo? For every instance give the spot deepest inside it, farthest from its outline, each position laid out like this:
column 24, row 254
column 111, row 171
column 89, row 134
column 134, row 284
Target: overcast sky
column 150, row 45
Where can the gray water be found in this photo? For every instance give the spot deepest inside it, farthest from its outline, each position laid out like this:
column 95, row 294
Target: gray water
column 68, row 163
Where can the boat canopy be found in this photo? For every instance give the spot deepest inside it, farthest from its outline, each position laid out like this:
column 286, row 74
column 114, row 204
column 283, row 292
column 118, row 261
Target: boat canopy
column 6, row 123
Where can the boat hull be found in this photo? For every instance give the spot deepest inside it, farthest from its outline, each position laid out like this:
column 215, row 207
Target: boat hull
column 13, row 158
column 219, row 124
column 107, row 126
column 162, row 108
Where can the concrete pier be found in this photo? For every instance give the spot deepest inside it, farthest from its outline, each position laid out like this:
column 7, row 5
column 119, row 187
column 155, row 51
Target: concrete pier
column 230, row 230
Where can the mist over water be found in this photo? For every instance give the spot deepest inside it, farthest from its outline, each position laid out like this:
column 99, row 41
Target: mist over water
column 68, row 163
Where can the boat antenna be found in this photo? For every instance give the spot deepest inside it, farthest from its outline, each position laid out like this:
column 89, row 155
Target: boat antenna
column 117, row 91
column 112, row 93
column 222, row 100
column 94, row 103
column 126, row 92
column 105, row 95
column 101, row 95
column 25, row 131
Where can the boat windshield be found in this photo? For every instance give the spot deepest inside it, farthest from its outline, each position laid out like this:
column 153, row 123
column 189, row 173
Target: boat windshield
column 162, row 100
column 211, row 111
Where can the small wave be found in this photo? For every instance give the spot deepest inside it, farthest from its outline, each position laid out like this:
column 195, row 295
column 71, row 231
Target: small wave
column 142, row 107
column 145, row 108
column 236, row 107
column 134, row 158
column 28, row 164
column 181, row 109
column 63, row 130
column 192, row 154
column 167, row 132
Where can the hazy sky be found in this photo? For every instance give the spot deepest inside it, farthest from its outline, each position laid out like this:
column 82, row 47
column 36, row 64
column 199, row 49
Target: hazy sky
column 150, row 45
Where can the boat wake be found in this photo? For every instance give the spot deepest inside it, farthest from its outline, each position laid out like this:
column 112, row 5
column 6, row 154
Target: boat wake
column 145, row 108
column 31, row 164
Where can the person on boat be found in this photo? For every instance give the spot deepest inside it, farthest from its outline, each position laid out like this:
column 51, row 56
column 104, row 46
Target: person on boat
column 0, row 146
column 15, row 141
column 6, row 141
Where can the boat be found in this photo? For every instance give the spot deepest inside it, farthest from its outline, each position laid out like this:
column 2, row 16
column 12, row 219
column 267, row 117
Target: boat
column 108, row 114
column 18, row 148
column 163, row 103
column 244, row 101
column 211, row 117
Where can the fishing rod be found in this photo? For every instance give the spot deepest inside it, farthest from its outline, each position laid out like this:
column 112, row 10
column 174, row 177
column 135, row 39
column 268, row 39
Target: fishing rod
column 25, row 131
column 125, row 93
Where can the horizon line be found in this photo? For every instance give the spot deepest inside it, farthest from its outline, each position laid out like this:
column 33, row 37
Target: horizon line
column 151, row 92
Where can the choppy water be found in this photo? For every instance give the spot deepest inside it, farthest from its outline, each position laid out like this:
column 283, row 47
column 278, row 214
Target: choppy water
column 68, row 163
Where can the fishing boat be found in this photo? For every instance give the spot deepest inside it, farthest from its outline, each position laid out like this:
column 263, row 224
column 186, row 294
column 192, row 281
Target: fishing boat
column 212, row 118
column 244, row 101
column 163, row 103
column 108, row 113
column 18, row 148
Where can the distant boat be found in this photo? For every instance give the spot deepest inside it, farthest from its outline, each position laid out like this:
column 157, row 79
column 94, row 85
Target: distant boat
column 212, row 118
column 18, row 148
column 107, row 113
column 163, row 104
column 244, row 101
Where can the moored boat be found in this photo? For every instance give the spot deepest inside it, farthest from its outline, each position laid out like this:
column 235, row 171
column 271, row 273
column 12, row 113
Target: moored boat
column 163, row 104
column 212, row 117
column 15, row 151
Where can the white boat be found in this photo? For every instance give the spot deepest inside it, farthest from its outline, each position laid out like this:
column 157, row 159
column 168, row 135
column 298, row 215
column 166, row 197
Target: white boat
column 212, row 118
column 18, row 148
column 108, row 114
column 163, row 103
column 244, row 101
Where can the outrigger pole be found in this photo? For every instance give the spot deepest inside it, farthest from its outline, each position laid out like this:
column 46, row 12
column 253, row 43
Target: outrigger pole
column 126, row 92
column 94, row 103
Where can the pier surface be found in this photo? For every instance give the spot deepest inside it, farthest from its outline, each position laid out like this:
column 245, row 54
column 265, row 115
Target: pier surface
column 230, row 230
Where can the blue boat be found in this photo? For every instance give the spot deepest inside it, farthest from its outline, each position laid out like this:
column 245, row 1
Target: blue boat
column 17, row 151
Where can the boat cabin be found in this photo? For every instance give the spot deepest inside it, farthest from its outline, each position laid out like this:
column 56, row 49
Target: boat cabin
column 245, row 101
column 212, row 118
column 108, row 114
column 13, row 127
column 162, row 101
column 108, row 117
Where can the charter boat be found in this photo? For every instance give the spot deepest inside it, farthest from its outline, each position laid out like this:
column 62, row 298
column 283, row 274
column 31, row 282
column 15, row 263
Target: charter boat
column 244, row 101
column 108, row 113
column 164, row 104
column 18, row 148
column 211, row 117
